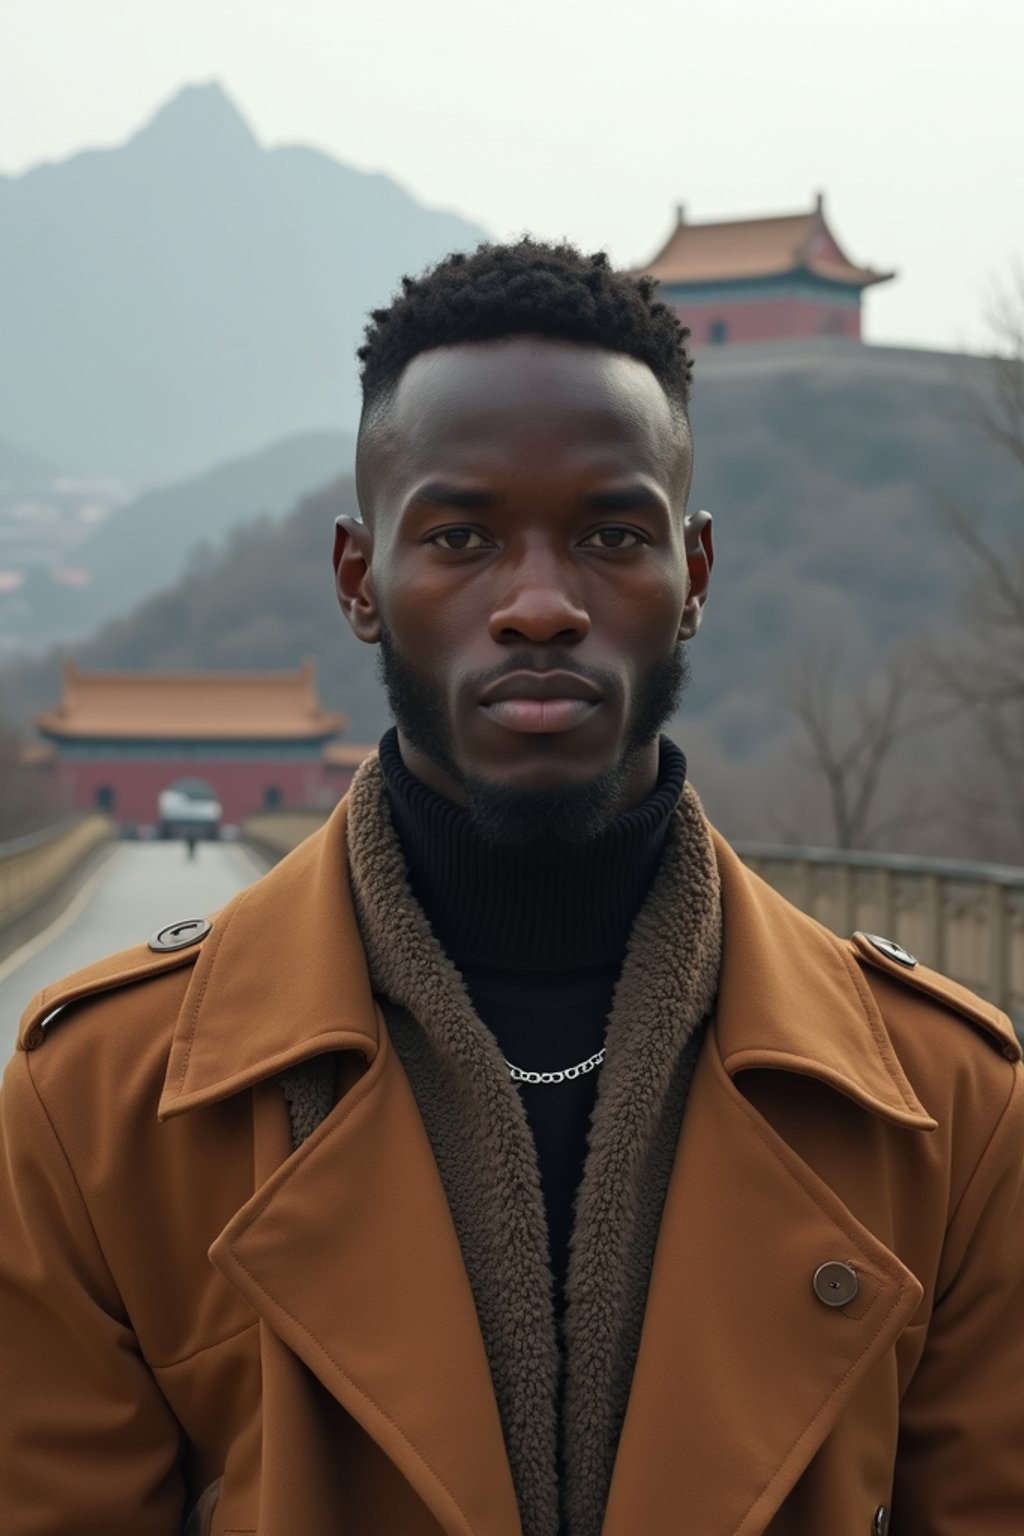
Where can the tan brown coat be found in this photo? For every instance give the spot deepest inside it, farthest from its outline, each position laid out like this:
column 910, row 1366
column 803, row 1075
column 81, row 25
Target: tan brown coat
column 187, row 1303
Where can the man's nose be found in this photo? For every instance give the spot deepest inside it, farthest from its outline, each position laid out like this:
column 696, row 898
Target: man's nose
column 539, row 604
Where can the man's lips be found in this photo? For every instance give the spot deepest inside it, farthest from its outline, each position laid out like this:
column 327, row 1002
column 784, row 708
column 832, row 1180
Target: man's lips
column 538, row 703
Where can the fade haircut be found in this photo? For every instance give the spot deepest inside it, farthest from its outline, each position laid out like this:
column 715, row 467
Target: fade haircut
column 529, row 288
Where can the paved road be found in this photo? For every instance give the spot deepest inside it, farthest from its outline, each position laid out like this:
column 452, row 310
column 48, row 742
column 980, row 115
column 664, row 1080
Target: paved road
column 138, row 889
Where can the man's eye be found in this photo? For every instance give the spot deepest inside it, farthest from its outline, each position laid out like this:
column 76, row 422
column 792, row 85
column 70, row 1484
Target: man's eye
column 456, row 539
column 614, row 538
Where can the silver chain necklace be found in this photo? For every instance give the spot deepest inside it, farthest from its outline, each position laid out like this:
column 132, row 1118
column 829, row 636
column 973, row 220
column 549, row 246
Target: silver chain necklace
column 518, row 1075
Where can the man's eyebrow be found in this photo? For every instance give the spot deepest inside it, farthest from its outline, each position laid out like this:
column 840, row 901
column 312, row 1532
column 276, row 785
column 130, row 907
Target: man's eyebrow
column 627, row 498
column 438, row 493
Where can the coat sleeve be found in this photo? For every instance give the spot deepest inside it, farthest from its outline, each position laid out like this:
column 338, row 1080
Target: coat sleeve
column 960, row 1464
column 88, row 1444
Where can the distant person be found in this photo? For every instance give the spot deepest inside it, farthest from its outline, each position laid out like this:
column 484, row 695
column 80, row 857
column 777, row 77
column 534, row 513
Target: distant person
column 510, row 1160
column 191, row 839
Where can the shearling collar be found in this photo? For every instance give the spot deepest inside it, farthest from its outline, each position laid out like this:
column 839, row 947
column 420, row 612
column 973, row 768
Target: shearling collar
column 475, row 1121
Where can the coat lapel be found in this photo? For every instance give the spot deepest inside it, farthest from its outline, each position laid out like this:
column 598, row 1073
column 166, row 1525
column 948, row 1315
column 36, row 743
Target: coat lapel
column 742, row 1370
column 349, row 1254
column 347, row 1249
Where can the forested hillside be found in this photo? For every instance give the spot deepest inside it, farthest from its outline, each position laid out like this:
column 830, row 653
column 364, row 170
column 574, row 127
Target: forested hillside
column 149, row 542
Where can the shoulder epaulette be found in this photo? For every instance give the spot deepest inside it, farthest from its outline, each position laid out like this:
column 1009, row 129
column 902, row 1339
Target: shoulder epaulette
column 891, row 958
column 171, row 948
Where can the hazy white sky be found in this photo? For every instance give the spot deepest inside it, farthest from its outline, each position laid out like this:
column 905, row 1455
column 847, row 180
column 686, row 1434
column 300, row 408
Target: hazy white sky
column 591, row 119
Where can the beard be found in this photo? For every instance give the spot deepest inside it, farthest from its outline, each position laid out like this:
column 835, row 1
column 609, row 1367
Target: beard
column 569, row 815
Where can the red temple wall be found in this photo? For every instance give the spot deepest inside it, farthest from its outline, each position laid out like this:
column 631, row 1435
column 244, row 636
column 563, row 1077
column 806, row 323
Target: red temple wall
column 240, row 786
column 769, row 319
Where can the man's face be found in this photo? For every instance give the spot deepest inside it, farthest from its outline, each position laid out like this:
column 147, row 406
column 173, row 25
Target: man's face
column 525, row 569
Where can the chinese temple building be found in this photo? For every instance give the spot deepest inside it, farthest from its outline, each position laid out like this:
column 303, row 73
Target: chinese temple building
column 747, row 280
column 259, row 740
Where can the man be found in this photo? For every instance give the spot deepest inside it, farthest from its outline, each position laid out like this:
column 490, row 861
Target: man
column 510, row 1159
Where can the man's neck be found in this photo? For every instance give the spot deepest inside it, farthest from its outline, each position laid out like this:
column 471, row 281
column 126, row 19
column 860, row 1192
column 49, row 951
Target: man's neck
column 544, row 909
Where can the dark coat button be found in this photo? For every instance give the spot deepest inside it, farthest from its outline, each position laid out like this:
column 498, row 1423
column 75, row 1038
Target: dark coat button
column 835, row 1284
column 181, row 935
column 892, row 950
column 880, row 1524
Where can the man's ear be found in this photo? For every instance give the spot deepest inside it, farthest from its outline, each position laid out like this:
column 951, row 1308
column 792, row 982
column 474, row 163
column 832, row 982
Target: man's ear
column 700, row 557
column 353, row 583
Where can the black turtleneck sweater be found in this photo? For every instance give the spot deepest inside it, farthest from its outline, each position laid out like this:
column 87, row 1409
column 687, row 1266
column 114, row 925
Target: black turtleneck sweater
column 539, row 937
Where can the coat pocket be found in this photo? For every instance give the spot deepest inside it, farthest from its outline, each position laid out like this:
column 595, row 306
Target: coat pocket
column 200, row 1521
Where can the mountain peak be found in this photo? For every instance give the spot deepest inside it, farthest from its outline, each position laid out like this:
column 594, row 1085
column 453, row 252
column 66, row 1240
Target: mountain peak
column 198, row 117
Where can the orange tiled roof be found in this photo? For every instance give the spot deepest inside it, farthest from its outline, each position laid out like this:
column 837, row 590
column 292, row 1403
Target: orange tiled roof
column 199, row 706
column 751, row 248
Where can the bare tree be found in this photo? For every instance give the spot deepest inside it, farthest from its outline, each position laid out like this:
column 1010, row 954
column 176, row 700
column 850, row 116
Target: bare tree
column 981, row 671
column 852, row 734
column 996, row 404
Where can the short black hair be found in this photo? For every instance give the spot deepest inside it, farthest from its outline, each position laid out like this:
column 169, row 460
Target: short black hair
column 526, row 288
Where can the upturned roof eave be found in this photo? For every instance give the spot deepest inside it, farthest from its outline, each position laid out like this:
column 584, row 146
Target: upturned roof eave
column 870, row 279
column 851, row 277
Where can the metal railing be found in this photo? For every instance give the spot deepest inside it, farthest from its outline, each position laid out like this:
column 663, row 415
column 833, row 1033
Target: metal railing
column 33, row 867
column 966, row 920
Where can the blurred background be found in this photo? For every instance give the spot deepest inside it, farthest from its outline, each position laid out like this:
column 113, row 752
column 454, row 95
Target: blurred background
column 201, row 200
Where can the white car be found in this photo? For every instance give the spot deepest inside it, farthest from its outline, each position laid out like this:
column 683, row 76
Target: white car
column 188, row 808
